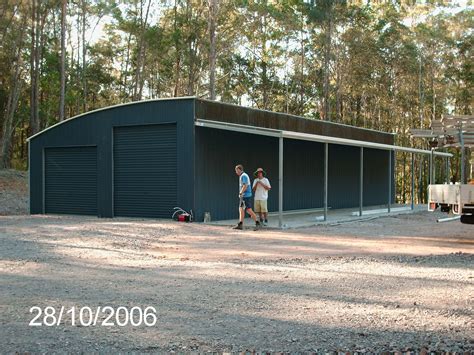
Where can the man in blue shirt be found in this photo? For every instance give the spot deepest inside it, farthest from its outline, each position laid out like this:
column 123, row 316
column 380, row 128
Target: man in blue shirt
column 245, row 196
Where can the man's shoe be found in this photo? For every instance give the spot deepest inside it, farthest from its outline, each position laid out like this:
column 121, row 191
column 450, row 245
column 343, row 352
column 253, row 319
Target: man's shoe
column 265, row 222
column 238, row 226
column 257, row 226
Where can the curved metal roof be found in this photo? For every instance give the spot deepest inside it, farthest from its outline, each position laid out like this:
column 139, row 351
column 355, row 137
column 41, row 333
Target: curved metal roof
column 108, row 108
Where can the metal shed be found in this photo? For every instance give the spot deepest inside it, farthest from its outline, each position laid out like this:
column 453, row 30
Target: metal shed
column 144, row 158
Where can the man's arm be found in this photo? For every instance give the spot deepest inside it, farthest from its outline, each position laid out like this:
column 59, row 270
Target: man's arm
column 245, row 183
column 265, row 186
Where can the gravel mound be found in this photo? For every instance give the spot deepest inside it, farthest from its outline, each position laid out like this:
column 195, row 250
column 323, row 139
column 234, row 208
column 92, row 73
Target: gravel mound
column 13, row 192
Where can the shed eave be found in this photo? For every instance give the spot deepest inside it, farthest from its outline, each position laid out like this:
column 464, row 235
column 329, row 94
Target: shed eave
column 295, row 116
column 310, row 137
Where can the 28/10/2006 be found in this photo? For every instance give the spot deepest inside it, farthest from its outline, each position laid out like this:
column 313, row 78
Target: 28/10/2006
column 87, row 316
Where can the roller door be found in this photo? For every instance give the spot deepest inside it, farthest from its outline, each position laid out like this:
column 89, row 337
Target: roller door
column 71, row 180
column 145, row 170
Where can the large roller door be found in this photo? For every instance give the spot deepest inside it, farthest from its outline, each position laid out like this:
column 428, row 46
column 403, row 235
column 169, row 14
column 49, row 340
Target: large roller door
column 145, row 170
column 71, row 180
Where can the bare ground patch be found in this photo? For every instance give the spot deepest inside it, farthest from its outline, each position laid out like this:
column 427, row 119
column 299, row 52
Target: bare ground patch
column 13, row 192
column 393, row 283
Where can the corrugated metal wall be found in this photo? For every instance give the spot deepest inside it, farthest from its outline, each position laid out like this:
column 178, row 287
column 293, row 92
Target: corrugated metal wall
column 145, row 170
column 96, row 128
column 218, row 151
column 206, row 158
column 343, row 181
column 303, row 175
column 376, row 177
column 71, row 180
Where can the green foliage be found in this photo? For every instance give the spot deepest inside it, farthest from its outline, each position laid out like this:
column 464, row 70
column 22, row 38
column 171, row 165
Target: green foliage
column 382, row 65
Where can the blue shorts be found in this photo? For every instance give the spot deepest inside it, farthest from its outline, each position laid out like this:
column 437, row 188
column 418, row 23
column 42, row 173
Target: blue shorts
column 248, row 202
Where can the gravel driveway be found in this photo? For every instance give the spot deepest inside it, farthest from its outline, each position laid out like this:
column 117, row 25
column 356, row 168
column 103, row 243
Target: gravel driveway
column 395, row 283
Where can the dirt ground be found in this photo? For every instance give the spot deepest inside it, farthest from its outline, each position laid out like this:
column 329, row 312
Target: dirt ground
column 400, row 283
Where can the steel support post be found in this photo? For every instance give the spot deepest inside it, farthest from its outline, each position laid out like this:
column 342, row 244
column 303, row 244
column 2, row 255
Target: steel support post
column 280, row 183
column 431, row 166
column 326, row 163
column 412, row 181
column 447, row 170
column 463, row 158
column 389, row 180
column 361, row 181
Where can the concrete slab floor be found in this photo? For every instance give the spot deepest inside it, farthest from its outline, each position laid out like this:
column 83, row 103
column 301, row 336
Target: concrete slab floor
column 308, row 218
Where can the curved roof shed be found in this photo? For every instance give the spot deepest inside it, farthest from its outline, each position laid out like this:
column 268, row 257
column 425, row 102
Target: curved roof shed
column 144, row 158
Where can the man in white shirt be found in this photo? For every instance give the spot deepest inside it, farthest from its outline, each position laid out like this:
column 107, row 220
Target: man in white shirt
column 261, row 186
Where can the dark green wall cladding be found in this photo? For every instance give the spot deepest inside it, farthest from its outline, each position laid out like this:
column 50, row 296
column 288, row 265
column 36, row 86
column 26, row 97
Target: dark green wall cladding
column 145, row 170
column 217, row 152
column 303, row 175
column 204, row 175
column 376, row 177
column 71, row 180
column 96, row 128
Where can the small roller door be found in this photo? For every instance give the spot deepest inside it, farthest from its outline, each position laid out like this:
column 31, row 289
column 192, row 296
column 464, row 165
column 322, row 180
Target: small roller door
column 145, row 171
column 71, row 180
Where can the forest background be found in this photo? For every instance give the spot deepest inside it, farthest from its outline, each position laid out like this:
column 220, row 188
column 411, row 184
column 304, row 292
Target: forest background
column 384, row 65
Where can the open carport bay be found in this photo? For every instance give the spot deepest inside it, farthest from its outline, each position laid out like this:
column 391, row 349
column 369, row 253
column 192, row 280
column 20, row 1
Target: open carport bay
column 393, row 283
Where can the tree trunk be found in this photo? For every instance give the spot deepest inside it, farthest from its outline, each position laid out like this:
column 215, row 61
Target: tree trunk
column 192, row 42
column 212, row 48
column 39, row 56
column 34, row 61
column 124, row 72
column 327, row 58
column 80, row 100
column 420, row 116
column 338, row 93
column 264, row 63
column 9, row 22
column 9, row 125
column 177, row 64
column 63, row 60
column 84, row 54
column 302, row 88
column 433, row 94
column 420, row 93
column 138, row 87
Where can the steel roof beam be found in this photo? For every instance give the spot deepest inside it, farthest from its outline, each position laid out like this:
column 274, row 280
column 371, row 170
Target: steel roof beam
column 309, row 137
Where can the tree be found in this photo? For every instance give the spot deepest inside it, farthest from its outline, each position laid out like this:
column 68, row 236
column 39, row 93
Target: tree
column 63, row 59
column 13, row 82
column 212, row 48
column 382, row 65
